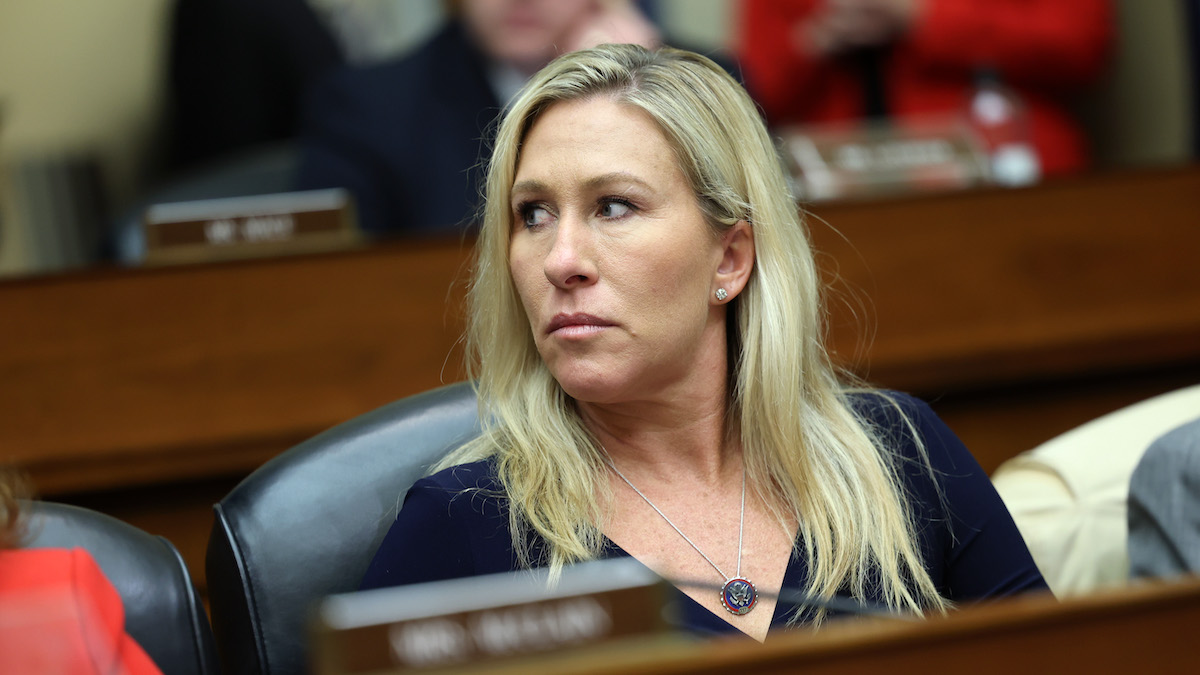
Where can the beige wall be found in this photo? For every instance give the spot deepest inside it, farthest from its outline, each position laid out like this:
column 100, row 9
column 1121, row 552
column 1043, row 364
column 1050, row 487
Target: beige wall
column 1142, row 114
column 78, row 77
column 702, row 24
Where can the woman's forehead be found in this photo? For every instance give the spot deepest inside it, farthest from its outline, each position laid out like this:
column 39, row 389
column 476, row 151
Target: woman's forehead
column 590, row 139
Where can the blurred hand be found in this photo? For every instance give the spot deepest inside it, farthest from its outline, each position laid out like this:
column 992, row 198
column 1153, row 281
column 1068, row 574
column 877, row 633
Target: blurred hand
column 616, row 21
column 843, row 25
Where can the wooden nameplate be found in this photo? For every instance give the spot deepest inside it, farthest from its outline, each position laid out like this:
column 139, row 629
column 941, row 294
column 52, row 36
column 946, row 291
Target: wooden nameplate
column 468, row 622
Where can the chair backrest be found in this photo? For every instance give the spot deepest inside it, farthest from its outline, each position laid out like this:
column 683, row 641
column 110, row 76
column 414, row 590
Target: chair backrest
column 1068, row 496
column 307, row 523
column 162, row 611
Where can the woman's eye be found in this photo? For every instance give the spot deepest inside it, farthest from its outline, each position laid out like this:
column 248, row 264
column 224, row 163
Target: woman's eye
column 534, row 215
column 614, row 209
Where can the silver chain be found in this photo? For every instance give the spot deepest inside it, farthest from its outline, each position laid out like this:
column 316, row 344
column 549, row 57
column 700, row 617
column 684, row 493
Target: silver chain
column 741, row 524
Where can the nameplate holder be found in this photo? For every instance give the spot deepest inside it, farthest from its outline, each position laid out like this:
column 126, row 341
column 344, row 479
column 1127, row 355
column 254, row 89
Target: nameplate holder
column 863, row 160
column 248, row 227
column 479, row 621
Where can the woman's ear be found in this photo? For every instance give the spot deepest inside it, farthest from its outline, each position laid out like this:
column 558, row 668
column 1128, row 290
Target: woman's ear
column 737, row 261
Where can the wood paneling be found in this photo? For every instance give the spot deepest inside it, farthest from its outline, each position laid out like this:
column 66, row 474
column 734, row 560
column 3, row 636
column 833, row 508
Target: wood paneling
column 127, row 377
column 983, row 288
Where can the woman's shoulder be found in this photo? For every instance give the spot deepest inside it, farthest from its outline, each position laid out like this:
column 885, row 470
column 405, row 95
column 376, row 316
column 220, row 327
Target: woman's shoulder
column 479, row 475
column 458, row 516
column 40, row 566
column 473, row 486
column 883, row 404
column 909, row 427
column 45, row 561
column 891, row 412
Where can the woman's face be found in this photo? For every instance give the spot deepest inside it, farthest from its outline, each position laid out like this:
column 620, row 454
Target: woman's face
column 612, row 257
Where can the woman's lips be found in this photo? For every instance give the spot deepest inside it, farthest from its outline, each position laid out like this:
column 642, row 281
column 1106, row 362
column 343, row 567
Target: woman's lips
column 576, row 324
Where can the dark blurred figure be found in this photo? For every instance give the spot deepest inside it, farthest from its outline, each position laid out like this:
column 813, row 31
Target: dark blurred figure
column 404, row 136
column 238, row 72
column 816, row 61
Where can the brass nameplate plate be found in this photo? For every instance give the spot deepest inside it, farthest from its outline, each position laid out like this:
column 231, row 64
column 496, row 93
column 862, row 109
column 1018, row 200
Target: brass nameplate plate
column 244, row 227
column 465, row 622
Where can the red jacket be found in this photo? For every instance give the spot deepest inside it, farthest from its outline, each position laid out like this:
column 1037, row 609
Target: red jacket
column 60, row 614
column 1043, row 49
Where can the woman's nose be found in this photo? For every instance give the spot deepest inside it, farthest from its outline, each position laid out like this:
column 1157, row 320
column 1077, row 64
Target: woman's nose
column 569, row 262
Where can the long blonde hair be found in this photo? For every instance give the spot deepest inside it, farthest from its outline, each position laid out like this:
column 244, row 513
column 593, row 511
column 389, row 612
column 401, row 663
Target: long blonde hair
column 806, row 451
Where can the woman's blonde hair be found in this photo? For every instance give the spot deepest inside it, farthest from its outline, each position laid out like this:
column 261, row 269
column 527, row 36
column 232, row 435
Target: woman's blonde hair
column 806, row 451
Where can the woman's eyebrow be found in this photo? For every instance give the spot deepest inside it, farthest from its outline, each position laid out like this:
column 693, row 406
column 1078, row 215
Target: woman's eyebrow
column 606, row 179
column 528, row 186
column 603, row 180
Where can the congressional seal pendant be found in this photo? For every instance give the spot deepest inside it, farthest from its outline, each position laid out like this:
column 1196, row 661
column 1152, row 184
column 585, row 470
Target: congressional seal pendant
column 739, row 596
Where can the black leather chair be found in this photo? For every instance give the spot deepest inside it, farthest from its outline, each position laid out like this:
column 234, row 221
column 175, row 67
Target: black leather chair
column 162, row 611
column 307, row 523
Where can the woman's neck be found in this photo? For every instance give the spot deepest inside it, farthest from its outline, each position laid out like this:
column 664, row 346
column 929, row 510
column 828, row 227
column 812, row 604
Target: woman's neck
column 687, row 438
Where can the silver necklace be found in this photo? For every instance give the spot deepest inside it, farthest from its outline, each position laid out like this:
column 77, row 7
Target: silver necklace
column 738, row 595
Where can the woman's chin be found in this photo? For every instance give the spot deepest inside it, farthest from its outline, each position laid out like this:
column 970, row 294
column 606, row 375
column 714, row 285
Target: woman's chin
column 589, row 393
column 591, row 388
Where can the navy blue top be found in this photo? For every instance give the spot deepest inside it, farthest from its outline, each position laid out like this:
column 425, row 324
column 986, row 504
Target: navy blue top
column 449, row 529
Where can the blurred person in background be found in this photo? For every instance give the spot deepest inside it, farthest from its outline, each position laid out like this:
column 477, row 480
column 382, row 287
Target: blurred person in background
column 236, row 75
column 819, row 61
column 1164, row 506
column 404, row 135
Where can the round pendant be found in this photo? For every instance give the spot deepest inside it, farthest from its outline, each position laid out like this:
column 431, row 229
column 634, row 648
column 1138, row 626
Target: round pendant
column 739, row 596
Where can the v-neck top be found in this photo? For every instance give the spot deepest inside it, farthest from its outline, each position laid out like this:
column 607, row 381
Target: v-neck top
column 455, row 524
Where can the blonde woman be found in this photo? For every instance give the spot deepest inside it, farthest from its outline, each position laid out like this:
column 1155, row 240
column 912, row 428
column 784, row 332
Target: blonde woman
column 647, row 349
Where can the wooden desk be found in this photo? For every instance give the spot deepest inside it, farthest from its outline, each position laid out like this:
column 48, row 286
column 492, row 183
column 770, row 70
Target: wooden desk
column 1149, row 629
column 1141, row 629
column 972, row 289
column 116, row 378
column 1019, row 313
